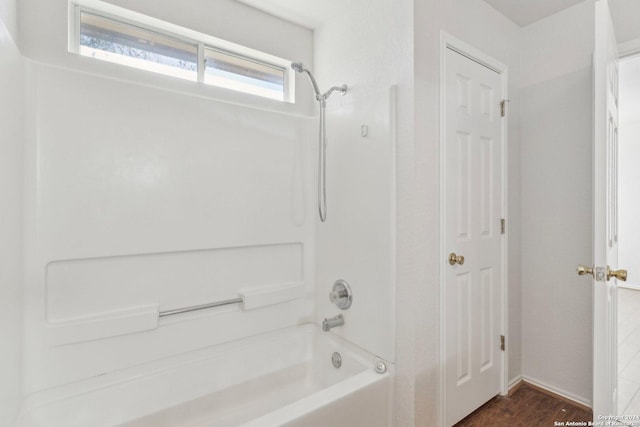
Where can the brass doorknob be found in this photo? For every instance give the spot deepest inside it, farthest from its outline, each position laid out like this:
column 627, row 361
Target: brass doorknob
column 455, row 259
column 618, row 274
column 583, row 269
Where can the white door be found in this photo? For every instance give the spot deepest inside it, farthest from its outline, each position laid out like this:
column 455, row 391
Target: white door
column 605, row 215
column 472, row 220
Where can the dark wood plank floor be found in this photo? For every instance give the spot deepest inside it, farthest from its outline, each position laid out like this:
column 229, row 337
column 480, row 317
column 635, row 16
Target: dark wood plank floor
column 526, row 406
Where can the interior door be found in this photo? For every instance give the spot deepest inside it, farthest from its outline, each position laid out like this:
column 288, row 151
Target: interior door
column 473, row 238
column 605, row 215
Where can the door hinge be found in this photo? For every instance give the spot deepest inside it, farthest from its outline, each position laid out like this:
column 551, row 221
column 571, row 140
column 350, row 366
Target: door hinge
column 503, row 107
column 503, row 226
column 502, row 343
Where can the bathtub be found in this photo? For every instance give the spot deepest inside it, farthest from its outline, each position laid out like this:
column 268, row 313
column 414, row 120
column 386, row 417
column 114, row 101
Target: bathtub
column 281, row 378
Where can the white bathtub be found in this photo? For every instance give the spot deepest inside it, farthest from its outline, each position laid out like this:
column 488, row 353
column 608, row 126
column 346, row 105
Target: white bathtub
column 284, row 377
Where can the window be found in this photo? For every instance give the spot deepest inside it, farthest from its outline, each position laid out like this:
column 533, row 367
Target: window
column 114, row 41
column 178, row 52
column 239, row 73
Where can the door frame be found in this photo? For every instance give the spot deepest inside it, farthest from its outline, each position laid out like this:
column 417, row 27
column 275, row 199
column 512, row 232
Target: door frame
column 447, row 41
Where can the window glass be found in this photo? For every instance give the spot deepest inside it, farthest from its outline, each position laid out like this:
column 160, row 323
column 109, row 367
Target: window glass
column 240, row 73
column 118, row 42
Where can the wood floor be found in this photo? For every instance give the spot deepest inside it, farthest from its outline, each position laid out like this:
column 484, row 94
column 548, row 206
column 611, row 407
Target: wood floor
column 527, row 406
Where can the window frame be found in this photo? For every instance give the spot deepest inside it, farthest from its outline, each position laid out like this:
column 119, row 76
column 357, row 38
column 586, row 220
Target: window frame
column 201, row 40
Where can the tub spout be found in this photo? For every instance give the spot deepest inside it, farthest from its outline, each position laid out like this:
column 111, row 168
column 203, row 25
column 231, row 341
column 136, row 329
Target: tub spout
column 332, row 322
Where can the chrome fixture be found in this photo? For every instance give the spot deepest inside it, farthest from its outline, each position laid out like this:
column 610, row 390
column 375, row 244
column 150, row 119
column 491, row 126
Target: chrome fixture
column 322, row 140
column 341, row 295
column 238, row 300
column 332, row 322
column 336, row 360
column 380, row 367
column 321, row 97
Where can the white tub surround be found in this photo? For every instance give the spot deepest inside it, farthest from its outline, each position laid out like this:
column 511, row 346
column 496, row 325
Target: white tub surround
column 12, row 87
column 285, row 377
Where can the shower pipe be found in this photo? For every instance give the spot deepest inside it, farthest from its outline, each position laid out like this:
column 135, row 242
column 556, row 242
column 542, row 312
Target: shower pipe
column 322, row 136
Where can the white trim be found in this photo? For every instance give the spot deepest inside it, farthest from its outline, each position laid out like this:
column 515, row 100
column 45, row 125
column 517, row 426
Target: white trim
column 393, row 212
column 73, row 35
column 555, row 390
column 202, row 64
column 514, row 382
column 627, row 285
column 442, row 410
column 393, row 216
column 447, row 41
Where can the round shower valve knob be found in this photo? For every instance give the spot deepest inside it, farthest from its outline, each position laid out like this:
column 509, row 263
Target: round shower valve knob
column 341, row 295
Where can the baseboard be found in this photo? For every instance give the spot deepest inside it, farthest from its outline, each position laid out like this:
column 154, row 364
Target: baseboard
column 562, row 394
column 627, row 285
column 514, row 382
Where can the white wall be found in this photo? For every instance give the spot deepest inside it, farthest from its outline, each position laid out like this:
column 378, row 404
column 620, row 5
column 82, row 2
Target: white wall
column 367, row 47
column 629, row 206
column 629, row 173
column 143, row 193
column 11, row 145
column 556, row 136
column 356, row 243
column 481, row 26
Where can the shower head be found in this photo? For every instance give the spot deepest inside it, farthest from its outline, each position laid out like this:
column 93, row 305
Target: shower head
column 299, row 68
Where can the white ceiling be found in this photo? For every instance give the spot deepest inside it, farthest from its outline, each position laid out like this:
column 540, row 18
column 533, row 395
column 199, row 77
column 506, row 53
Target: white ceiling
column 626, row 19
column 625, row 13
column 312, row 13
column 525, row 12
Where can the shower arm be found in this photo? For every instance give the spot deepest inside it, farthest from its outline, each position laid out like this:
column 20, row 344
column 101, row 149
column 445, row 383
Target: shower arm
column 342, row 89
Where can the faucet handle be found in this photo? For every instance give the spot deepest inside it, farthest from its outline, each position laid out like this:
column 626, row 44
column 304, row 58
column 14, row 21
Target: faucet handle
column 341, row 295
column 336, row 295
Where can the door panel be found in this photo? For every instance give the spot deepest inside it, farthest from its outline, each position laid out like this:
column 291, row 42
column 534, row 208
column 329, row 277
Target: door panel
column 605, row 239
column 473, row 209
column 487, row 327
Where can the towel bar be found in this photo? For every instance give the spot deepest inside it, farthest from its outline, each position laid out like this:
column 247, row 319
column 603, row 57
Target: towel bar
column 238, row 300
